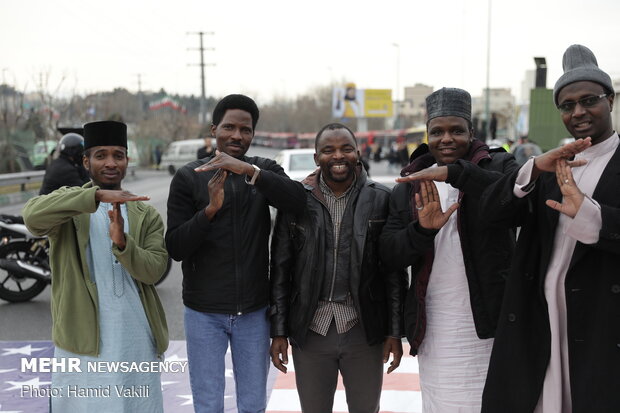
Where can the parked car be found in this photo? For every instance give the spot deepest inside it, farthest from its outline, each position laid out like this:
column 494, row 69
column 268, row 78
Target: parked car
column 41, row 151
column 180, row 153
column 297, row 163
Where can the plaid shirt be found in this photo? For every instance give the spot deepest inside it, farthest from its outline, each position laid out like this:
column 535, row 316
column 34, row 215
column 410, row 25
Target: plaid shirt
column 343, row 313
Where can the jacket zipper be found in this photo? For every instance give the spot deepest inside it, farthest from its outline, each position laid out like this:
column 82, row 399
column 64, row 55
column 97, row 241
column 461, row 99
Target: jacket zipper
column 336, row 245
column 331, row 291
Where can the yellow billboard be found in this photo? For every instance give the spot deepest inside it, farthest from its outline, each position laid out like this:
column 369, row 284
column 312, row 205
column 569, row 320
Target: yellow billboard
column 378, row 103
column 350, row 102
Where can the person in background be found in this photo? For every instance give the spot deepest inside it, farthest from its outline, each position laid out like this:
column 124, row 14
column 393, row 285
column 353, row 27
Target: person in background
column 525, row 150
column 67, row 169
column 206, row 150
column 157, row 154
column 493, row 126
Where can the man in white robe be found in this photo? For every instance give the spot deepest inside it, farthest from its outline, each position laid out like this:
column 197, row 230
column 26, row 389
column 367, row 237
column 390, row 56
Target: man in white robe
column 458, row 268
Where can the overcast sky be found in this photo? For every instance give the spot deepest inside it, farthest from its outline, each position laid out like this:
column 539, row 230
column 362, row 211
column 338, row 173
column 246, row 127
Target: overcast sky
column 268, row 48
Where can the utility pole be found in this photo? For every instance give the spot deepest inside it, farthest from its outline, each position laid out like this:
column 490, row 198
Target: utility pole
column 202, row 117
column 140, row 95
column 487, row 100
column 139, row 76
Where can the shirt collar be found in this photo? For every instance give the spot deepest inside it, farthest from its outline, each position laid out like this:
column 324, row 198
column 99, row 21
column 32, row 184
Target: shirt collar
column 608, row 145
column 327, row 191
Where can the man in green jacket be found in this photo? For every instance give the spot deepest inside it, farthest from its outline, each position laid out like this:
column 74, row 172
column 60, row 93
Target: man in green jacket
column 106, row 252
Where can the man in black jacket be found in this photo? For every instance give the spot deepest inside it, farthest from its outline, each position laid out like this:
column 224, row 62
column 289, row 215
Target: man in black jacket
column 218, row 225
column 558, row 339
column 331, row 296
column 206, row 150
column 67, row 169
column 458, row 268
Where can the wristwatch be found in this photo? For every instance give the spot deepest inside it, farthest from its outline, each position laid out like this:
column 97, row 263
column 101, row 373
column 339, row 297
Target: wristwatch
column 254, row 177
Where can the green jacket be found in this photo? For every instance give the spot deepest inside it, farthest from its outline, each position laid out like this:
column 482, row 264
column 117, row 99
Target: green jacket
column 64, row 216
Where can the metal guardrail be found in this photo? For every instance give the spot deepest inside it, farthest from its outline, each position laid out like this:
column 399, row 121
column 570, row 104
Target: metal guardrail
column 21, row 178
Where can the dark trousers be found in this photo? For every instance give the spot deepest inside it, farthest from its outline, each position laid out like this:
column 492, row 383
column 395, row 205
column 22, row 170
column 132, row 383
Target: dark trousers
column 318, row 363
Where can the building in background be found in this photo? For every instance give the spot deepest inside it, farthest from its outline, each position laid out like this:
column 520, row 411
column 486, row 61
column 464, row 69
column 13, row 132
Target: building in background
column 413, row 108
column 615, row 114
column 528, row 83
column 502, row 103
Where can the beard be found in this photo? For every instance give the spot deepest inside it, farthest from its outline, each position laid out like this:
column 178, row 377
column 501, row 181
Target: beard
column 107, row 186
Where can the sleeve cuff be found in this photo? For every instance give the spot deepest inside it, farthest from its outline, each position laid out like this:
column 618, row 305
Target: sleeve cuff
column 202, row 220
column 523, row 186
column 587, row 224
column 454, row 172
column 424, row 231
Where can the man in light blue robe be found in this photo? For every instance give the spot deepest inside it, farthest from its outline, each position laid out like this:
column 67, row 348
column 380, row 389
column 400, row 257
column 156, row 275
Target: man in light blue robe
column 106, row 252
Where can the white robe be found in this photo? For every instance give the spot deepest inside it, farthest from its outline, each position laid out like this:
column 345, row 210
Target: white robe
column 453, row 360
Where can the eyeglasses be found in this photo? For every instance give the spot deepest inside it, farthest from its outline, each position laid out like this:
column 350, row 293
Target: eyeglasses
column 587, row 102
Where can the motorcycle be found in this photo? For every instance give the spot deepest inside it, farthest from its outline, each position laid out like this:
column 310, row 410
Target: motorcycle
column 24, row 261
column 24, row 264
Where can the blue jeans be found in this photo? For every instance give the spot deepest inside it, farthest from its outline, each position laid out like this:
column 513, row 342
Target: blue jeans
column 208, row 335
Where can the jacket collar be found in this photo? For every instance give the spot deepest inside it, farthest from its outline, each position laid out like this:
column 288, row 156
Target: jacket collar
column 421, row 158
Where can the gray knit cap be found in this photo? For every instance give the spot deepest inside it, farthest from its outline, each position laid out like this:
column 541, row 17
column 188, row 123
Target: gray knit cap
column 579, row 64
column 449, row 102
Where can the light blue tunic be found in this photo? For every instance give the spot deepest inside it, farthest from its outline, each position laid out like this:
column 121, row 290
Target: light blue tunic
column 125, row 336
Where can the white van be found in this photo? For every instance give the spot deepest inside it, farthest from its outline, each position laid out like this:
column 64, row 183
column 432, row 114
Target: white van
column 180, row 153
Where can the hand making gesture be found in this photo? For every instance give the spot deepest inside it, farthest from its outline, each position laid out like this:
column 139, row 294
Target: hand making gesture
column 428, row 204
column 114, row 195
column 438, row 173
column 116, row 198
column 216, row 193
column 117, row 226
column 573, row 197
column 547, row 161
column 226, row 162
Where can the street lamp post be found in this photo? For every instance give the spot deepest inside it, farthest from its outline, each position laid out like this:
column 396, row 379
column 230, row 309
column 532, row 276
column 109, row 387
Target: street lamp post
column 397, row 91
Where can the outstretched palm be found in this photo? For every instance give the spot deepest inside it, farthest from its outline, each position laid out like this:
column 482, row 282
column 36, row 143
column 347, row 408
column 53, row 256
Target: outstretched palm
column 572, row 195
column 428, row 204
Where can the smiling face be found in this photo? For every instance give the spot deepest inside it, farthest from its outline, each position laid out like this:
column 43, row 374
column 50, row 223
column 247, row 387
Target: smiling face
column 234, row 133
column 449, row 138
column 582, row 122
column 107, row 165
column 337, row 156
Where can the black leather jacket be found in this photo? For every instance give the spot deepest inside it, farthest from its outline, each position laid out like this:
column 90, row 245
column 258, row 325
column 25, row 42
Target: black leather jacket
column 298, row 265
column 62, row 171
column 226, row 261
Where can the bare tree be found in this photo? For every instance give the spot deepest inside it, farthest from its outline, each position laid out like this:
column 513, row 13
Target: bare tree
column 12, row 118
